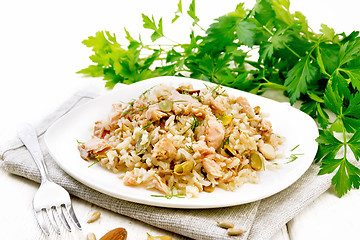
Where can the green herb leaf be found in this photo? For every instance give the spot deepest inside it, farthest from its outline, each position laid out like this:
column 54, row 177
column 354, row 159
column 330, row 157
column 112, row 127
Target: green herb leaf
column 328, row 145
column 192, row 14
column 346, row 178
column 151, row 24
column 354, row 144
column 245, row 32
column 170, row 196
column 299, row 77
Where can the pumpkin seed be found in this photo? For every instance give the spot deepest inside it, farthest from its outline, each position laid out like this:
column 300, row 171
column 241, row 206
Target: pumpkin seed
column 90, row 236
column 235, row 231
column 94, row 216
column 209, row 189
column 229, row 151
column 184, row 168
column 166, row 105
column 158, row 237
column 226, row 119
column 225, row 224
column 255, row 161
column 140, row 146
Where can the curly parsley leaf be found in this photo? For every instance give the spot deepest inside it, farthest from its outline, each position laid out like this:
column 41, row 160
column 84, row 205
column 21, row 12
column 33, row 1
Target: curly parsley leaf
column 245, row 31
column 151, row 24
column 299, row 77
column 178, row 12
column 346, row 177
column 345, row 106
column 192, row 14
column 328, row 145
column 354, row 144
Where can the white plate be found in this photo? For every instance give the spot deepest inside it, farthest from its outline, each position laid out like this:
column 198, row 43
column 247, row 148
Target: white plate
column 297, row 128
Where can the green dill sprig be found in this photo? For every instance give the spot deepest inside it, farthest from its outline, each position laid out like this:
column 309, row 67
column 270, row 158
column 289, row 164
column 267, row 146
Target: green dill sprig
column 226, row 141
column 190, row 148
column 95, row 162
column 171, row 195
column 187, row 92
column 142, row 95
column 139, row 109
column 293, row 157
column 148, row 125
column 193, row 125
column 294, row 148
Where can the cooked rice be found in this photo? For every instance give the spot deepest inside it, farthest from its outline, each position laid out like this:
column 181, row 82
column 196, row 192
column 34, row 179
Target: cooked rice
column 148, row 144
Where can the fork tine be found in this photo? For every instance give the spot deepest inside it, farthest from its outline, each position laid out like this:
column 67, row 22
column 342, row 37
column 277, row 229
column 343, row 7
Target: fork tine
column 61, row 215
column 73, row 217
column 40, row 219
column 51, row 217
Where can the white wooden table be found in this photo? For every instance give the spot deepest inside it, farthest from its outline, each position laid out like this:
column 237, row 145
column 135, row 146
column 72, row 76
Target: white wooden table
column 40, row 52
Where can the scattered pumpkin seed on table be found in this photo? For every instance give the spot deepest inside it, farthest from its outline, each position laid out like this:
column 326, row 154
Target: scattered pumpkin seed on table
column 158, row 237
column 235, row 231
column 90, row 236
column 225, row 224
column 94, row 216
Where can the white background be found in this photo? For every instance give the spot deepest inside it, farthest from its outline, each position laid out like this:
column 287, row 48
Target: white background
column 41, row 50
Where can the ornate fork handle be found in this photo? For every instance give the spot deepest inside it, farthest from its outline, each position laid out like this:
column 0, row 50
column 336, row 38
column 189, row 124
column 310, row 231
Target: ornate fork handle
column 28, row 136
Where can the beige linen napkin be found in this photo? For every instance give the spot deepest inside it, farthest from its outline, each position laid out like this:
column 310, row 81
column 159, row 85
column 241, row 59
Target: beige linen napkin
column 260, row 219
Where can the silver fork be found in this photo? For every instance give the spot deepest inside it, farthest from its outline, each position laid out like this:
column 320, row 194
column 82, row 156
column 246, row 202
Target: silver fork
column 50, row 198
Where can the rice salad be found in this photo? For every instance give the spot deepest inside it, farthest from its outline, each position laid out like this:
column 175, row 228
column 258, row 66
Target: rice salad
column 183, row 140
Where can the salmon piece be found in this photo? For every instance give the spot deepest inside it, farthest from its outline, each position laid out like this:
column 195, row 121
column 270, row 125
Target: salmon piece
column 130, row 180
column 246, row 108
column 212, row 168
column 83, row 153
column 164, row 150
column 200, row 112
column 154, row 113
column 139, row 103
column 218, row 106
column 96, row 145
column 187, row 109
column 101, row 129
column 203, row 149
column 115, row 115
column 182, row 109
column 161, row 186
column 214, row 133
column 265, row 126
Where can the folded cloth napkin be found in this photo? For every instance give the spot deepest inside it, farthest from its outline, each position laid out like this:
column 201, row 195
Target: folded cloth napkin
column 260, row 219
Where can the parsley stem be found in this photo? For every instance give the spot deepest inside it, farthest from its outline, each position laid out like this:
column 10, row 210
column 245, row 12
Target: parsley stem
column 270, row 32
column 291, row 50
column 272, row 84
column 287, row 46
column 344, row 137
column 172, row 40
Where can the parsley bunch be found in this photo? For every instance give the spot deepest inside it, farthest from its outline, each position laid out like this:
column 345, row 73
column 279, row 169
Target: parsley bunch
column 320, row 69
